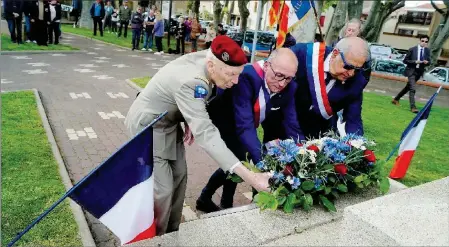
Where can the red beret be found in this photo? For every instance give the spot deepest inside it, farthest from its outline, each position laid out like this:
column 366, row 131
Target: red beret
column 228, row 51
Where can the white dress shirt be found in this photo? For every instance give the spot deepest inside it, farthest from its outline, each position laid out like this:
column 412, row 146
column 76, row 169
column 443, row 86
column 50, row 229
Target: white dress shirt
column 418, row 55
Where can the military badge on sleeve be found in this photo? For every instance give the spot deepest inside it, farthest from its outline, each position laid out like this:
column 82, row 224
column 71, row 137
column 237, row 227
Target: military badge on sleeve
column 200, row 92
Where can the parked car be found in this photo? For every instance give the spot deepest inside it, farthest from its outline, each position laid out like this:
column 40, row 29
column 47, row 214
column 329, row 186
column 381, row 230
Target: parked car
column 437, row 74
column 264, row 40
column 388, row 66
column 385, row 52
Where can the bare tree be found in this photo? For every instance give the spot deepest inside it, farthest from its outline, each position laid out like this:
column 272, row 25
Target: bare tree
column 441, row 33
column 225, row 10
column 337, row 22
column 379, row 13
column 244, row 13
column 355, row 8
column 217, row 12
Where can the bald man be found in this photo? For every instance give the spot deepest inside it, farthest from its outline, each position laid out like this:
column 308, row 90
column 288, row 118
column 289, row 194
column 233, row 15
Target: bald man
column 330, row 80
column 264, row 87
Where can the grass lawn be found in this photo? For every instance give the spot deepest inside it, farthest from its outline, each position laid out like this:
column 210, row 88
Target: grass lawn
column 384, row 123
column 30, row 178
column 7, row 45
column 141, row 81
column 112, row 38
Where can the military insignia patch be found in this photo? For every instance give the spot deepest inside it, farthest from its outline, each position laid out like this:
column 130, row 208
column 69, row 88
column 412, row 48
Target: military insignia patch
column 200, row 92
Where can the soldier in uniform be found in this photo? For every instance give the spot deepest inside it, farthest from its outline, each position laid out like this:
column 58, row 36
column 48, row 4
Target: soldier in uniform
column 264, row 87
column 183, row 88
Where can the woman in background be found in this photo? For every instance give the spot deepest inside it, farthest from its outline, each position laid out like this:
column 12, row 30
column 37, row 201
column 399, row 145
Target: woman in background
column 159, row 33
column 210, row 34
column 195, row 34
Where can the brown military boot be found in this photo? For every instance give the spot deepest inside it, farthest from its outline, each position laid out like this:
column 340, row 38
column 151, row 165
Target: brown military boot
column 414, row 110
column 395, row 102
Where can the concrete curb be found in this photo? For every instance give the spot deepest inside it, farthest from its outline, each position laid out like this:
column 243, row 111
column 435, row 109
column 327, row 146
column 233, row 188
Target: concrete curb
column 39, row 52
column 133, row 85
column 83, row 231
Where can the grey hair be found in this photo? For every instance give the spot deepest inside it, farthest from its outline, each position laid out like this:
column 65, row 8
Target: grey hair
column 352, row 21
column 345, row 46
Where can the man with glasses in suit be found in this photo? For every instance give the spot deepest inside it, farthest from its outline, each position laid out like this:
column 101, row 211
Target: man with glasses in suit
column 417, row 59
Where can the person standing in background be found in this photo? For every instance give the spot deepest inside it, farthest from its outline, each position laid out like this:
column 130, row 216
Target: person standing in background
column 417, row 59
column 124, row 15
column 159, row 33
column 97, row 13
column 76, row 11
column 136, row 26
column 109, row 9
column 27, row 8
column 13, row 15
column 39, row 23
column 210, row 34
column 114, row 21
column 54, row 21
column 188, row 24
column 180, row 36
column 195, row 34
column 149, row 27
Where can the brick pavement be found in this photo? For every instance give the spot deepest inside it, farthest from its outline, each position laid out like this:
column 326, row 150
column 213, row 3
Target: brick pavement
column 86, row 97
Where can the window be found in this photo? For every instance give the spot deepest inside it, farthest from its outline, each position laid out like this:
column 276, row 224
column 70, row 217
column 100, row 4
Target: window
column 414, row 17
column 405, row 32
column 440, row 74
column 389, row 66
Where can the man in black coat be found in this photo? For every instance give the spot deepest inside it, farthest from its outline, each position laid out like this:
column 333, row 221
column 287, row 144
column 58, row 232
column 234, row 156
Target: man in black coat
column 97, row 13
column 13, row 15
column 417, row 58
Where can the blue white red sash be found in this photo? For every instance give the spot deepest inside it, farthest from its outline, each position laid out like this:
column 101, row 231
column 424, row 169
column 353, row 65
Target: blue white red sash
column 315, row 77
column 261, row 101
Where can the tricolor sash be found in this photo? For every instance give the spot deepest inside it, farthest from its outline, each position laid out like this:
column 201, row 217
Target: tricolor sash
column 315, row 77
column 261, row 101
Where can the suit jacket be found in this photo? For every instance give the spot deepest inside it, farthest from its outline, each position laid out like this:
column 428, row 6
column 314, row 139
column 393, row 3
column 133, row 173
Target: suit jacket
column 185, row 96
column 347, row 97
column 410, row 61
column 238, row 112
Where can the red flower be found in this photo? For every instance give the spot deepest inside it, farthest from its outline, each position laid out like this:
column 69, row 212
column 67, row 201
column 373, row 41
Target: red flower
column 369, row 156
column 341, row 168
column 288, row 170
column 299, row 144
column 313, row 148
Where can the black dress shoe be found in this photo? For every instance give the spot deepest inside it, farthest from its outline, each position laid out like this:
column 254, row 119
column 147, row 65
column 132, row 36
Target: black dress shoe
column 207, row 206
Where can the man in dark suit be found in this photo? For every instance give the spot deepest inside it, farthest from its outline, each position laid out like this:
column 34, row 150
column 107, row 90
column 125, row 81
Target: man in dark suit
column 263, row 88
column 329, row 80
column 417, row 59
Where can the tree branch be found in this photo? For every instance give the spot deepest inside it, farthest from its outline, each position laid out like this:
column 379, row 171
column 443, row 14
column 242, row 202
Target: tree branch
column 398, row 6
column 436, row 7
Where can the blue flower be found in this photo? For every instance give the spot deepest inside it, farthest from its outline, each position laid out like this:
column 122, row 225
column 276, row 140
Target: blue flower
column 285, row 158
column 318, row 183
column 352, row 136
column 336, row 150
column 278, row 177
column 289, row 147
column 274, row 151
column 261, row 165
column 296, row 183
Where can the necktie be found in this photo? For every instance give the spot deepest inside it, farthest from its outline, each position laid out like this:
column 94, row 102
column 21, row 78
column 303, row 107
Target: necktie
column 421, row 54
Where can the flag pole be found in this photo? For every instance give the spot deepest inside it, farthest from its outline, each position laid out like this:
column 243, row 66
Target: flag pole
column 414, row 121
column 316, row 18
column 67, row 194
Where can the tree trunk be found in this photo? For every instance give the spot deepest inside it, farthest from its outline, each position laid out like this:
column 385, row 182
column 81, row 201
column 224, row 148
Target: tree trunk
column 231, row 10
column 439, row 36
column 86, row 19
column 226, row 5
column 306, row 31
column 217, row 13
column 378, row 15
column 338, row 21
column 196, row 9
column 244, row 13
column 355, row 9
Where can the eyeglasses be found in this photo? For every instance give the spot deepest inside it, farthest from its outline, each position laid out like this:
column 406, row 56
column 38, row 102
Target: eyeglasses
column 425, row 41
column 348, row 66
column 280, row 76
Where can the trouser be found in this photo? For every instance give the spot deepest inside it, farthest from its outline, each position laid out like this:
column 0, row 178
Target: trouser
column 170, row 177
column 411, row 88
column 158, row 43
column 135, row 38
column 53, row 28
column 97, row 21
column 148, row 43
column 108, row 23
column 15, row 29
column 39, row 32
column 194, row 45
column 27, row 28
column 180, row 42
column 114, row 26
column 123, row 24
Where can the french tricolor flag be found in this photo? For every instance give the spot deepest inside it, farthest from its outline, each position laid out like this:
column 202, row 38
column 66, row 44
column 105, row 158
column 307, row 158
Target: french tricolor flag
column 410, row 140
column 119, row 192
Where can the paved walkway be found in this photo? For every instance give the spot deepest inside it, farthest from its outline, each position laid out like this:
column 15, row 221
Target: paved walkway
column 86, row 99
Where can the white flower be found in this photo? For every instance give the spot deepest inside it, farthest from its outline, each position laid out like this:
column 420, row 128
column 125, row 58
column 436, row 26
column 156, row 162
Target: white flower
column 301, row 175
column 271, row 173
column 356, row 143
column 363, row 148
column 289, row 179
column 302, row 151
